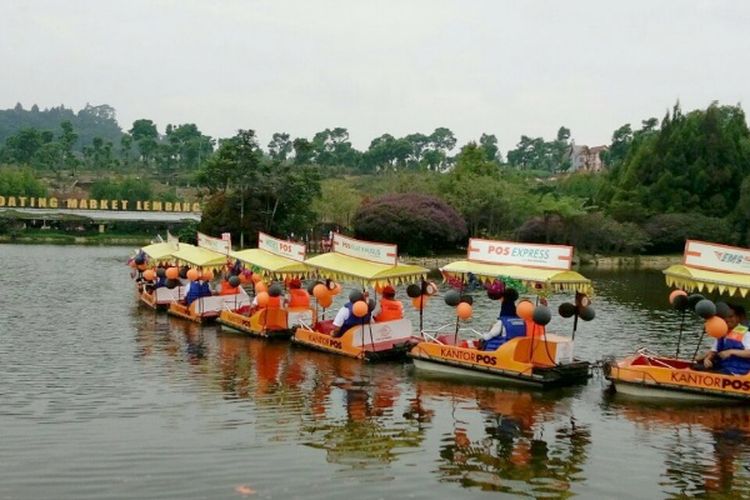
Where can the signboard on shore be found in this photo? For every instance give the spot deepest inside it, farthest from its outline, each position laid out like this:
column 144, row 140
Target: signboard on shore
column 520, row 254
column 283, row 248
column 91, row 204
column 381, row 253
column 221, row 245
column 716, row 257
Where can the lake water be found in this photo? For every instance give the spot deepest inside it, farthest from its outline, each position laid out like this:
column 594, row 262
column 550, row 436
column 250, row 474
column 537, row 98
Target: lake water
column 100, row 398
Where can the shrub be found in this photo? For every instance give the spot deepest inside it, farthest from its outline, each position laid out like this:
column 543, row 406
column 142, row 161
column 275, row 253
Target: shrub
column 668, row 232
column 419, row 224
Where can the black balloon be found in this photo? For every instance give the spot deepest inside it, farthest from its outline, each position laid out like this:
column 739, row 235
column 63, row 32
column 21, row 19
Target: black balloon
column 371, row 305
column 452, row 298
column 140, row 259
column 542, row 315
column 694, row 299
column 567, row 310
column 312, row 285
column 275, row 290
column 183, row 272
column 234, row 281
column 705, row 309
column 587, row 313
column 413, row 290
column 355, row 296
column 680, row 302
column 723, row 310
column 161, row 272
column 510, row 294
column 172, row 284
column 466, row 298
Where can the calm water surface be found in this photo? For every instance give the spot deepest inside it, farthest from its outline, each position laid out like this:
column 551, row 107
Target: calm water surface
column 102, row 399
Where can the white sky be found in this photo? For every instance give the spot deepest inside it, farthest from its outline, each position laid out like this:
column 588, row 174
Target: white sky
column 501, row 67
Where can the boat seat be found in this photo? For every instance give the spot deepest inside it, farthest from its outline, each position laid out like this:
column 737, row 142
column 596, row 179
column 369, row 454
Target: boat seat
column 325, row 326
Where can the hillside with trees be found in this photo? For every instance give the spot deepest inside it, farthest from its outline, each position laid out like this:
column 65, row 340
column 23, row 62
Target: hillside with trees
column 686, row 176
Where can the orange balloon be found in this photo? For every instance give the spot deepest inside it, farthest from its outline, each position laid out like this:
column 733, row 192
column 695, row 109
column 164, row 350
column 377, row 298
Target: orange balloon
column 260, row 287
column 262, row 298
column 255, row 277
column 420, row 302
column 716, row 327
column 525, row 310
column 142, row 267
column 207, row 275
column 336, row 289
column 359, row 309
column 172, row 273
column 464, row 310
column 193, row 275
column 675, row 294
column 325, row 301
column 149, row 275
column 320, row 291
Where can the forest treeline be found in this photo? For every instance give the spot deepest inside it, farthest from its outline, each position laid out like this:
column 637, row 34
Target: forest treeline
column 684, row 176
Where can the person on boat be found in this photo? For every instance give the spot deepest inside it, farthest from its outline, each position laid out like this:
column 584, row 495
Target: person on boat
column 731, row 353
column 345, row 318
column 298, row 296
column 226, row 288
column 390, row 308
column 508, row 325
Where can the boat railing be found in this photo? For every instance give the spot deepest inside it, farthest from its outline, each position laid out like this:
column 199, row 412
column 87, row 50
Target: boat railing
column 450, row 328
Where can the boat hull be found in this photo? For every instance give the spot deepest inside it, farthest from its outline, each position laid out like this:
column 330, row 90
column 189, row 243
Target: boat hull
column 390, row 340
column 236, row 322
column 512, row 363
column 653, row 377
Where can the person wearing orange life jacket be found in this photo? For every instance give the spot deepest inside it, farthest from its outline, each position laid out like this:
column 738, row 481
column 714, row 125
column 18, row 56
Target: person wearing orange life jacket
column 731, row 353
column 298, row 297
column 390, row 308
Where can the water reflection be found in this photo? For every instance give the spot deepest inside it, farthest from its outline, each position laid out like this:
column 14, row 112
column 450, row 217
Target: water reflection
column 705, row 448
column 528, row 443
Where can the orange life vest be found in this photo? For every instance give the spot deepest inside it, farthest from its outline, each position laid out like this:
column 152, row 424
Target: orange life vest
column 274, row 302
column 298, row 298
column 227, row 289
column 390, row 310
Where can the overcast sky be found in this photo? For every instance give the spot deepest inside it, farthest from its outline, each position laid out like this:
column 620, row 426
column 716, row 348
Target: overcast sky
column 501, row 67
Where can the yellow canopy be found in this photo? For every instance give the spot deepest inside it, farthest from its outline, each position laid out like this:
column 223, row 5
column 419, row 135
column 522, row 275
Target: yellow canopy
column 693, row 279
column 273, row 264
column 159, row 251
column 341, row 267
column 199, row 257
column 551, row 280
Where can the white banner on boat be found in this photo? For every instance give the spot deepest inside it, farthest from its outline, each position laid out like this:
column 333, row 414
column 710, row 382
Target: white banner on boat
column 520, row 254
column 390, row 331
column 223, row 245
column 716, row 257
column 381, row 253
column 283, row 248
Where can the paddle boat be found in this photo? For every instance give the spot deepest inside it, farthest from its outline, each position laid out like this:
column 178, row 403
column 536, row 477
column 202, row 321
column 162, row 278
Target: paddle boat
column 524, row 352
column 709, row 268
column 369, row 265
column 158, row 254
column 277, row 260
column 210, row 255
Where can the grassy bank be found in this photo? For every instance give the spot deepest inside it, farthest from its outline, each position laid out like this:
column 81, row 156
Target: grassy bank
column 61, row 238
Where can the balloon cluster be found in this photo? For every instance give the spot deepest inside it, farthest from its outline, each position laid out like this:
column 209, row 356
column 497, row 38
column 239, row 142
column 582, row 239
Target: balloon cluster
column 715, row 325
column 324, row 292
column 541, row 314
column 420, row 294
column 462, row 303
column 583, row 310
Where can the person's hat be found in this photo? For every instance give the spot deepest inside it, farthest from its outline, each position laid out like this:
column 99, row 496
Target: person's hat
column 389, row 290
column 295, row 283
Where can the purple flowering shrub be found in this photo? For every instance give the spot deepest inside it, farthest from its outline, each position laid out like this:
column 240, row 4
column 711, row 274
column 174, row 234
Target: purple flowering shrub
column 419, row 224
